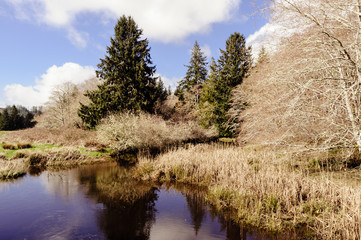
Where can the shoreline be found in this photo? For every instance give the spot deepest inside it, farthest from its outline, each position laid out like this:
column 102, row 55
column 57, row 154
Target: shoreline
column 265, row 188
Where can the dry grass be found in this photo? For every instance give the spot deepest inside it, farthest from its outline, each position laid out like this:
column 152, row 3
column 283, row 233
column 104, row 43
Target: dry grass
column 264, row 188
column 138, row 131
column 48, row 148
column 12, row 169
column 63, row 136
column 54, row 158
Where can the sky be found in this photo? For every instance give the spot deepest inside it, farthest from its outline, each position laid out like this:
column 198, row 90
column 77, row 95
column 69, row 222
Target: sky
column 45, row 43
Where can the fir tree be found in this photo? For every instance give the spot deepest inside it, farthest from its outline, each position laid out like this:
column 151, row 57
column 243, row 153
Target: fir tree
column 230, row 70
column 127, row 72
column 262, row 56
column 5, row 120
column 15, row 119
column 195, row 76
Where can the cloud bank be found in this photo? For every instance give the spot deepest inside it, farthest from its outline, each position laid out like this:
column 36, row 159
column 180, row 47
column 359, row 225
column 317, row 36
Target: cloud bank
column 282, row 25
column 40, row 92
column 162, row 20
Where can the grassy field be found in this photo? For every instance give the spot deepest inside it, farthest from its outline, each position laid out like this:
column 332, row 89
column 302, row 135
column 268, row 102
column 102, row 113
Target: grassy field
column 268, row 188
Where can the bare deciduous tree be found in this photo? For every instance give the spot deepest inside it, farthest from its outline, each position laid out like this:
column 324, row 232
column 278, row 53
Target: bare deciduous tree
column 310, row 91
column 61, row 109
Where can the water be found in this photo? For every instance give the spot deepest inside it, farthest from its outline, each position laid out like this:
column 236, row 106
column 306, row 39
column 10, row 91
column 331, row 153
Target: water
column 103, row 202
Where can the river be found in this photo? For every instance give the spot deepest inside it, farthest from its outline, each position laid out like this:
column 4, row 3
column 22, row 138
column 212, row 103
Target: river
column 104, row 202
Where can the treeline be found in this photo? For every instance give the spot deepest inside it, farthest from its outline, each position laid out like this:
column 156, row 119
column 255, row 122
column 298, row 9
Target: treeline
column 17, row 117
column 207, row 94
column 125, row 83
column 128, row 82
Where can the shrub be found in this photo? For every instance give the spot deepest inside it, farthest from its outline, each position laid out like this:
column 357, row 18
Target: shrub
column 138, row 131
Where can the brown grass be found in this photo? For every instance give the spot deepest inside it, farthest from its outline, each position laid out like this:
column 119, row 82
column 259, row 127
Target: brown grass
column 12, row 169
column 63, row 136
column 56, row 158
column 62, row 157
column 264, row 188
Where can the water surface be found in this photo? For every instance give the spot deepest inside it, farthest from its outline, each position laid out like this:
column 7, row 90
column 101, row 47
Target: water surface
column 103, row 202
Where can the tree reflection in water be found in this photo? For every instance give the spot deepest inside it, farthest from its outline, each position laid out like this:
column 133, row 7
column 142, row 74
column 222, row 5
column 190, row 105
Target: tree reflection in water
column 198, row 208
column 128, row 206
column 126, row 209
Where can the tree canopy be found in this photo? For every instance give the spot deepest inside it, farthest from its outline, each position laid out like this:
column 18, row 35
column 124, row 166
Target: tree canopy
column 14, row 118
column 224, row 75
column 127, row 72
column 195, row 76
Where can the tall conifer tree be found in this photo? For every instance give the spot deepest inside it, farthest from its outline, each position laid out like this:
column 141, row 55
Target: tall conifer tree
column 230, row 70
column 195, row 76
column 127, row 72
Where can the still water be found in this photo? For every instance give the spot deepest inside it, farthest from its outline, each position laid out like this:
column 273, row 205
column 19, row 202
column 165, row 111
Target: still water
column 103, row 202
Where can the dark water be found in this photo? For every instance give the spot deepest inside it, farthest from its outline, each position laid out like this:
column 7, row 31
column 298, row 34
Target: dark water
column 102, row 202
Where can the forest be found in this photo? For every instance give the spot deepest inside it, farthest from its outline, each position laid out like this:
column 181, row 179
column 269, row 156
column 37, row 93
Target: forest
column 276, row 137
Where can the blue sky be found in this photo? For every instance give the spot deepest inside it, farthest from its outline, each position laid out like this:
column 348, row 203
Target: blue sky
column 46, row 42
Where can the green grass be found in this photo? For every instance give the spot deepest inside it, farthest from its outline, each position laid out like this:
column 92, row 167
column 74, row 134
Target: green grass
column 95, row 153
column 42, row 147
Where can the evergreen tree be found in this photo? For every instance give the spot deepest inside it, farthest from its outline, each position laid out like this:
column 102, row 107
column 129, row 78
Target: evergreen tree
column 4, row 120
column 28, row 120
column 195, row 76
column 127, row 72
column 230, row 70
column 262, row 56
column 15, row 119
column 206, row 109
column 161, row 91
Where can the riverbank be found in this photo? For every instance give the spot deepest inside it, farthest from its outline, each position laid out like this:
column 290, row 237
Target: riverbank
column 32, row 150
column 265, row 187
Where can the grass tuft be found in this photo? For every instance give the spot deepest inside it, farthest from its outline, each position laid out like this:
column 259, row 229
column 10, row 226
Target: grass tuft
column 8, row 146
column 24, row 145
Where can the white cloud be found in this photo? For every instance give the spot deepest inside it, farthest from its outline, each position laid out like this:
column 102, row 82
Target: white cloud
column 269, row 36
column 172, row 82
column 206, row 50
column 162, row 20
column 282, row 25
column 77, row 38
column 39, row 93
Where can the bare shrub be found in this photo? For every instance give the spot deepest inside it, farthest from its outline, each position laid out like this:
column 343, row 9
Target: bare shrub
column 136, row 131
